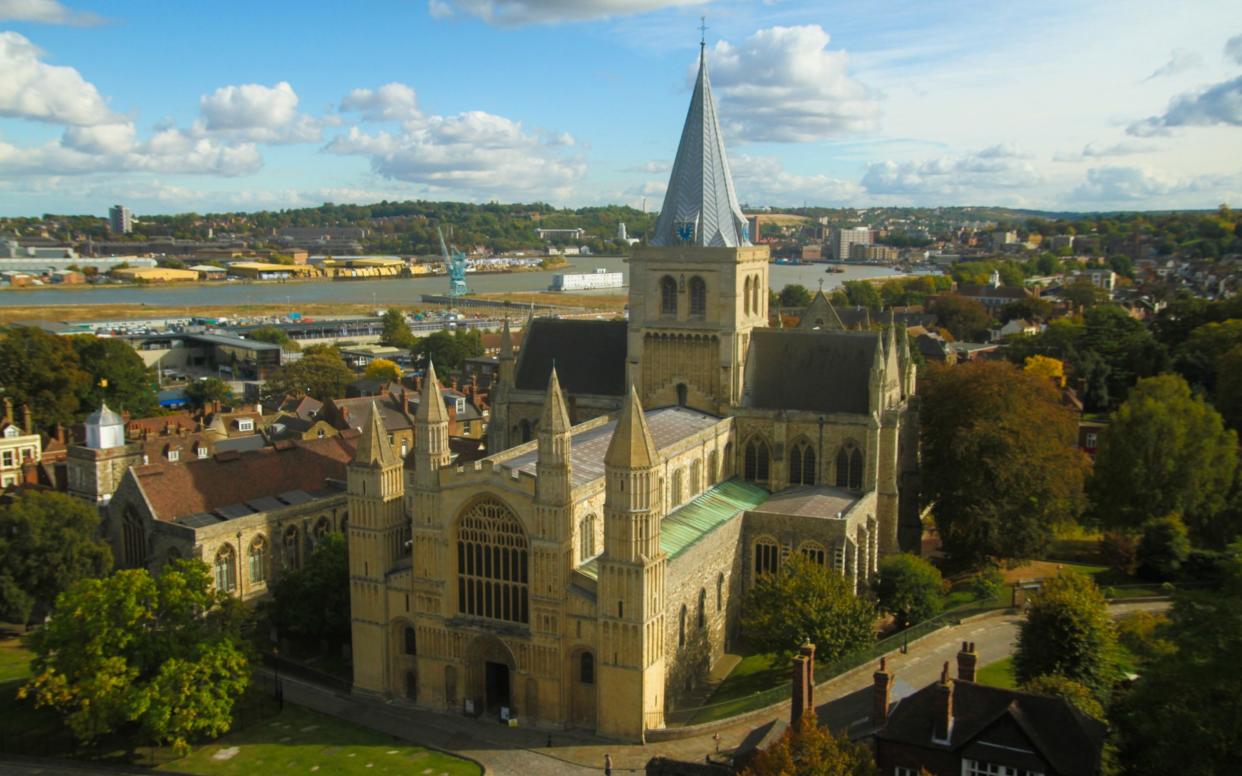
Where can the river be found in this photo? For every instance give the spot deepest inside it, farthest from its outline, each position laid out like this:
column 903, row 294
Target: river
column 379, row 291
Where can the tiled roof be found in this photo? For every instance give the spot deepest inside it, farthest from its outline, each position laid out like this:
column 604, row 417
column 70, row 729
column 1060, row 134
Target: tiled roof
column 176, row 490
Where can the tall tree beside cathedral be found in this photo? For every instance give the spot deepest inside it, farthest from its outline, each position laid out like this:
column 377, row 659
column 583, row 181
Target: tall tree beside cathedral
column 1001, row 464
column 803, row 602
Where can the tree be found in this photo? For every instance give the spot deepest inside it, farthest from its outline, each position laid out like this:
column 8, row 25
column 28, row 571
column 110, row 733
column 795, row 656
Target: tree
column 1074, row 693
column 811, row 750
column 794, row 295
column 1165, row 452
column 1163, row 547
column 1068, row 632
column 1228, row 396
column 1028, row 308
column 396, row 332
column 274, row 336
column 806, row 602
column 860, row 293
column 909, row 588
column 448, row 350
column 1082, row 293
column 47, row 542
column 965, row 318
column 383, row 370
column 320, row 372
column 311, row 604
column 994, row 413
column 207, row 391
column 41, row 371
column 1048, row 368
column 160, row 656
column 118, row 376
column 1195, row 683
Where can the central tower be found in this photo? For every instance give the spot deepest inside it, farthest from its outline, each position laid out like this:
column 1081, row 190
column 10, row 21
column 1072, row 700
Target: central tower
column 699, row 287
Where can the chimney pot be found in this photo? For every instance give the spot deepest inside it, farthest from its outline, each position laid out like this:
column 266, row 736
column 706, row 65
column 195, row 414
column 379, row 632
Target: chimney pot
column 944, row 707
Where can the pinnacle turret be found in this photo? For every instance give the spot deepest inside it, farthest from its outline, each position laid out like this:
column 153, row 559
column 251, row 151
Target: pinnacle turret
column 431, row 407
column 373, row 446
column 555, row 418
column 632, row 446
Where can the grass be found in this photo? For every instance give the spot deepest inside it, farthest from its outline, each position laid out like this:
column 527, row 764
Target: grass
column 998, row 674
column 754, row 674
column 300, row 741
column 14, row 660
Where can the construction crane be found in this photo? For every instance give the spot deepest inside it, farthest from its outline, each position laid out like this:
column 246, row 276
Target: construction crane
column 455, row 263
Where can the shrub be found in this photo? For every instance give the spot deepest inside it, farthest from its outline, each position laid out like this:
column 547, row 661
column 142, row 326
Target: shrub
column 1163, row 548
column 987, row 584
column 1119, row 550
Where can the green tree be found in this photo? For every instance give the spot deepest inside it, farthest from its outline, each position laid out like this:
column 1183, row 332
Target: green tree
column 163, row 657
column 396, row 332
column 47, row 542
column 860, row 293
column 1001, row 464
column 909, row 588
column 320, row 372
column 118, row 376
column 806, row 602
column 41, row 371
column 207, row 391
column 274, row 336
column 1163, row 548
column 1075, row 693
column 311, row 604
column 1195, row 685
column 448, row 350
column 1082, row 293
column 794, row 295
column 965, row 318
column 1068, row 632
column 1228, row 395
column 1165, row 452
column 1030, row 308
column 383, row 370
column 811, row 750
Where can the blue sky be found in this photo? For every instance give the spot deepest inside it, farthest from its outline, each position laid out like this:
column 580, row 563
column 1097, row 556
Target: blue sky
column 174, row 106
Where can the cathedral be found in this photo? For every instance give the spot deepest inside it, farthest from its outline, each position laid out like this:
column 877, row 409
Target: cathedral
column 643, row 475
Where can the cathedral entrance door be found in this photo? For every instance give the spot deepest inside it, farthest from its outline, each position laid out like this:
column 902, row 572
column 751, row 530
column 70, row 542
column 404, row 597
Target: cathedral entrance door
column 496, row 685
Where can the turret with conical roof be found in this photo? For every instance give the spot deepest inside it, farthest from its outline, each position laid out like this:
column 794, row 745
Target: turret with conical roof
column 374, row 449
column 431, row 433
column 554, row 464
column 105, row 429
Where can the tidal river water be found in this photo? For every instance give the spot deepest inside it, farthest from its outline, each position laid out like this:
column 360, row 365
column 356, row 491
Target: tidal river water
column 379, row 292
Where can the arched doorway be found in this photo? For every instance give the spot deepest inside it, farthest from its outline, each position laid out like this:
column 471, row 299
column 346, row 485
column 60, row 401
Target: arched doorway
column 490, row 669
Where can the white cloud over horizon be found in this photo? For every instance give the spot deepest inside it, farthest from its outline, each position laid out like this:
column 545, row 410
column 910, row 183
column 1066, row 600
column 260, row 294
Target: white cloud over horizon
column 507, row 13
column 46, row 12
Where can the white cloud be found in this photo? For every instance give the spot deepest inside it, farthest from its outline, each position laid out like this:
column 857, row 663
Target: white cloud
column 977, row 175
column 1218, row 104
column 111, row 149
column 45, row 12
column 101, row 139
column 1233, row 49
column 763, row 180
column 783, row 84
column 256, row 112
column 1180, row 61
column 474, row 153
column 1125, row 184
column 33, row 89
column 390, row 102
column 518, row 12
column 1096, row 151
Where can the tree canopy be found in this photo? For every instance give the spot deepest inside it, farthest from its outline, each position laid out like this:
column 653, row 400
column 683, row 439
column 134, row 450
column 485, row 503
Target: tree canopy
column 811, row 750
column 965, row 318
column 396, row 332
column 383, row 370
column 47, row 543
column 1001, row 464
column 320, row 372
column 909, row 588
column 275, row 336
column 1068, row 632
column 42, row 371
column 794, row 295
column 163, row 656
column 1165, row 451
column 805, row 601
column 207, row 391
column 448, row 350
column 311, row 604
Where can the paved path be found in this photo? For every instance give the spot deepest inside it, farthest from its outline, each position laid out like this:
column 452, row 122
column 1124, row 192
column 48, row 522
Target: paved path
column 525, row 752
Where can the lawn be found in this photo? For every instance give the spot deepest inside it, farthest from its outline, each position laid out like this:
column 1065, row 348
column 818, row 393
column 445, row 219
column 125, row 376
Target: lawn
column 14, row 660
column 754, row 674
column 302, row 741
column 998, row 674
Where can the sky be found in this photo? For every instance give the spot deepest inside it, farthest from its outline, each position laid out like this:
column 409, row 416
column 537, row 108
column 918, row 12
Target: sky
column 194, row 106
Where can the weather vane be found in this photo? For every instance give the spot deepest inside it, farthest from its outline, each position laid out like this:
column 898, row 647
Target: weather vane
column 702, row 31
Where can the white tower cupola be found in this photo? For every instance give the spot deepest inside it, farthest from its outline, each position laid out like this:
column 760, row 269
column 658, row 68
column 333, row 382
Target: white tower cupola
column 105, row 429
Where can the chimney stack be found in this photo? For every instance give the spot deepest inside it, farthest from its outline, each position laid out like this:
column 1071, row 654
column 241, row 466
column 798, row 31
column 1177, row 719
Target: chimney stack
column 803, row 700
column 8, row 410
column 881, row 691
column 966, row 662
column 27, row 420
column 944, row 707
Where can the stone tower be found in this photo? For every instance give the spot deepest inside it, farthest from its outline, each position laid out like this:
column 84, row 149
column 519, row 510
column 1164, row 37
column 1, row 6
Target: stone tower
column 631, row 590
column 699, row 287
column 430, row 527
column 378, row 533
column 498, row 425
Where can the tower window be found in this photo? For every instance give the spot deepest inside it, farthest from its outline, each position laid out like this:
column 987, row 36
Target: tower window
column 668, row 296
column 698, row 297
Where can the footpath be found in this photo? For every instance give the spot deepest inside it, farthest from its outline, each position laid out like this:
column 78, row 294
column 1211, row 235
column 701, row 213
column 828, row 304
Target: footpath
column 841, row 701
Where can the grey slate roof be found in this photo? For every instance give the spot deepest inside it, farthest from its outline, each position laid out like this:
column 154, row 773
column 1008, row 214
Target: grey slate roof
column 700, row 206
column 819, row 371
column 589, row 356
column 668, row 426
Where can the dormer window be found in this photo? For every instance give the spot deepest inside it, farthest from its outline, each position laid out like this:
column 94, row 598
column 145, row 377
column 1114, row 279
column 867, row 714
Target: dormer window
column 461, row 405
column 245, row 424
column 10, row 432
column 202, row 452
column 174, row 455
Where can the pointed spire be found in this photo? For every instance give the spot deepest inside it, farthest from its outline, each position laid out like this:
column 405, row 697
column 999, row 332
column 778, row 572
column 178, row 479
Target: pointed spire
column 555, row 418
column 431, row 407
column 631, row 446
column 506, row 340
column 373, row 445
column 700, row 205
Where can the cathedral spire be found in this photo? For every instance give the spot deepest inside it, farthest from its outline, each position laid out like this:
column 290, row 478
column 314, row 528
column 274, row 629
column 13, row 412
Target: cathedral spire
column 373, row 445
column 700, row 206
column 631, row 446
column 506, row 340
column 431, row 407
column 555, row 419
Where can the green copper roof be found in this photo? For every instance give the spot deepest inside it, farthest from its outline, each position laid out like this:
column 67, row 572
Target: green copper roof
column 714, row 507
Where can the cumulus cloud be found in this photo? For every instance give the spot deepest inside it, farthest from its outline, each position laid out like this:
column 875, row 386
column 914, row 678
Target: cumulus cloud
column 390, row 102
column 32, row 89
column 783, row 84
column 112, row 149
column 1233, row 49
column 1096, row 151
column 990, row 169
column 1218, row 104
column 475, row 152
column 45, row 12
column 519, row 12
column 764, row 180
column 1180, row 61
column 255, row 112
column 1125, row 184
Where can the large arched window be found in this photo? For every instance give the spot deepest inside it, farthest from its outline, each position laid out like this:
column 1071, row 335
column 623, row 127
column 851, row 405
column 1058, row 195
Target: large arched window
column 757, row 460
column 226, row 569
column 849, row 467
column 134, row 540
column 754, row 296
column 698, row 297
column 713, row 468
column 814, row 552
column 668, row 295
column 411, row 641
column 767, row 556
column 323, row 527
column 801, row 463
column 258, row 560
column 492, row 557
column 586, row 538
column 696, row 476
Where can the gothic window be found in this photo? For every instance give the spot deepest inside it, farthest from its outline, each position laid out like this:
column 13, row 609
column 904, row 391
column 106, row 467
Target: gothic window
column 849, row 467
column 258, row 560
column 696, row 476
column 681, row 627
column 411, row 641
column 323, row 527
column 586, row 538
column 293, row 555
column 668, row 295
column 492, row 557
column 754, row 296
column 134, row 539
column 814, row 552
column 698, row 297
column 719, row 591
column 701, row 616
column 767, row 556
column 226, row 569
column 746, row 295
column 801, row 464
column 713, row 472
column 524, row 428
column 757, row 460
column 676, row 493
column 586, row 668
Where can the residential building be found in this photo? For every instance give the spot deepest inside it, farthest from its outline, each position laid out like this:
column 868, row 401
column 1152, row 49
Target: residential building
column 844, row 238
column 120, row 219
column 20, row 445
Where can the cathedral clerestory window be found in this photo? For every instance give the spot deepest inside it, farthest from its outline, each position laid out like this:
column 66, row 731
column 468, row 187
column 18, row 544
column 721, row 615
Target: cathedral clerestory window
column 801, row 464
